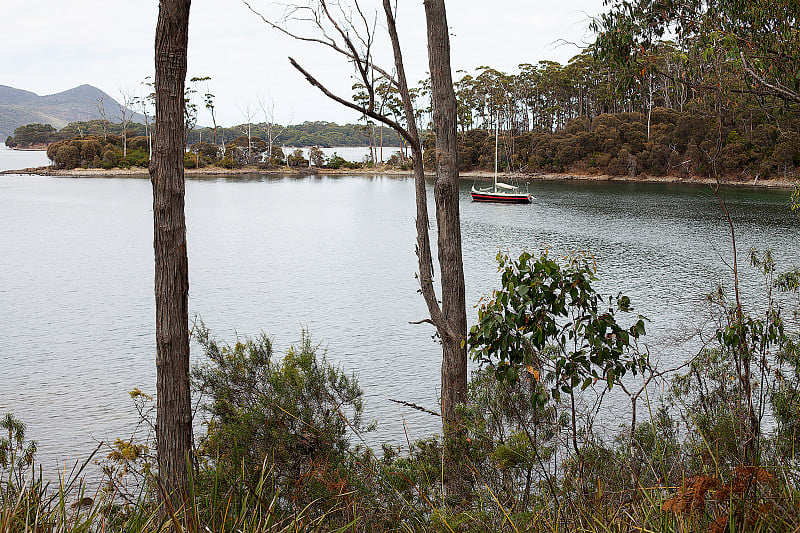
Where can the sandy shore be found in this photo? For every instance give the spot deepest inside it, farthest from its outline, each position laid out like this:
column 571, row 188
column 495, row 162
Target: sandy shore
column 215, row 172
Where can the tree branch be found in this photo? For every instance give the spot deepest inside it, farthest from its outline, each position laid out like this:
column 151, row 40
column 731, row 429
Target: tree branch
column 372, row 114
column 780, row 91
column 330, row 42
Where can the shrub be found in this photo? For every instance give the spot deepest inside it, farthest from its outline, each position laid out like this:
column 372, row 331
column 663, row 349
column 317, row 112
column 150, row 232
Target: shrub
column 67, row 156
column 336, row 161
column 89, row 149
column 296, row 159
column 137, row 158
column 317, row 156
column 140, row 141
column 110, row 158
column 16, row 452
column 189, row 160
column 277, row 158
column 208, row 151
column 280, row 422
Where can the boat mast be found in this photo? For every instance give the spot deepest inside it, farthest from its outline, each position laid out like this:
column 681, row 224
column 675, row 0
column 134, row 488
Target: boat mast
column 496, row 127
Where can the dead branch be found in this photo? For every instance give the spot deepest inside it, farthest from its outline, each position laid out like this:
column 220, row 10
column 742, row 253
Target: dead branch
column 326, row 41
column 415, row 406
column 372, row 114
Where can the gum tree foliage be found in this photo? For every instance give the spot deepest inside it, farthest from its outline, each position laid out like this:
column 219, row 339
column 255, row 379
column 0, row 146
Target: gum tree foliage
column 284, row 422
column 16, row 452
column 316, row 155
column 31, row 134
column 92, row 151
column 759, row 38
column 513, row 441
column 750, row 368
column 549, row 321
column 785, row 395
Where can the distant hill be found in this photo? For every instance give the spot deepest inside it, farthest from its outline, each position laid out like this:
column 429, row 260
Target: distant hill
column 19, row 107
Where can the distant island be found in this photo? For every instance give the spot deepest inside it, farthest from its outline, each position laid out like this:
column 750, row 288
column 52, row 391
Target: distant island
column 30, row 121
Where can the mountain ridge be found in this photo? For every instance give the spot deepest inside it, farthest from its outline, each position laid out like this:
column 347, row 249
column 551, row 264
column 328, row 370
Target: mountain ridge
column 19, row 107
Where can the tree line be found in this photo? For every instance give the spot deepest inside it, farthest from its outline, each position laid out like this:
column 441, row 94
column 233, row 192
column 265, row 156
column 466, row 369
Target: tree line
column 680, row 144
column 677, row 111
column 319, row 133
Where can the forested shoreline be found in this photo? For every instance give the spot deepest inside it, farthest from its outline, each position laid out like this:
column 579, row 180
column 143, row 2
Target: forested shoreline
column 681, row 115
column 320, row 133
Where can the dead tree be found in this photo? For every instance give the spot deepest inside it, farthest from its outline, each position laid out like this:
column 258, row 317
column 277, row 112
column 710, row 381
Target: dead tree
column 248, row 113
column 101, row 109
column 174, row 416
column 272, row 130
column 349, row 32
column 125, row 115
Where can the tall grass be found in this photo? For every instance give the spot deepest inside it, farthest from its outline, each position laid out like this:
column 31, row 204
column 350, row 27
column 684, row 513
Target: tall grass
column 746, row 499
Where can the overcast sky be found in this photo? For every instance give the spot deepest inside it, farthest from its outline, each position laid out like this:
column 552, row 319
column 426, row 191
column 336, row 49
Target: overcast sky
column 53, row 45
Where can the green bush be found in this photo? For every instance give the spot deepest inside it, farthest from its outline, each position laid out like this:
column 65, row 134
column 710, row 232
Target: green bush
column 16, row 451
column 136, row 158
column 277, row 158
column 189, row 160
column 110, row 158
column 336, row 161
column 68, row 157
column 284, row 424
column 296, row 159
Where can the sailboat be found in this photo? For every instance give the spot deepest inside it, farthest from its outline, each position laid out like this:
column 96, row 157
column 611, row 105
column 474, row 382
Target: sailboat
column 499, row 192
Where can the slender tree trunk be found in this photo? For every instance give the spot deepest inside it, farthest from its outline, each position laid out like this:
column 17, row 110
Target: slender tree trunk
column 174, row 424
column 454, row 350
column 449, row 319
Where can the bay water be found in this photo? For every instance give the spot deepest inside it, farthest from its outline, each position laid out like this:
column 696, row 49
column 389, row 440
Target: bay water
column 334, row 256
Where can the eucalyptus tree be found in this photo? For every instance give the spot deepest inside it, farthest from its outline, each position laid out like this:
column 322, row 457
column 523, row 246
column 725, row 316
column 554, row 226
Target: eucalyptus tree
column 173, row 411
column 209, row 102
column 101, row 110
column 125, row 115
column 361, row 96
column 758, row 37
column 346, row 29
column 248, row 113
column 390, row 104
column 190, row 108
column 145, row 104
column 465, row 98
column 272, row 131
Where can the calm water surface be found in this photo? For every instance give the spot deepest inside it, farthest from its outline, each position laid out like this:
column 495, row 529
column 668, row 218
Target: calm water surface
column 332, row 255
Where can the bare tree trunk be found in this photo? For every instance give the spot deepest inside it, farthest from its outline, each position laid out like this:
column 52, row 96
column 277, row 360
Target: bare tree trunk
column 101, row 108
column 454, row 349
column 449, row 319
column 174, row 424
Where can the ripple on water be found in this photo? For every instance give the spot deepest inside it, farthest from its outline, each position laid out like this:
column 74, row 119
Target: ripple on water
column 335, row 256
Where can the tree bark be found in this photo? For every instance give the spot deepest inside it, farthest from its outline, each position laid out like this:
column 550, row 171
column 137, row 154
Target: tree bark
column 174, row 423
column 454, row 349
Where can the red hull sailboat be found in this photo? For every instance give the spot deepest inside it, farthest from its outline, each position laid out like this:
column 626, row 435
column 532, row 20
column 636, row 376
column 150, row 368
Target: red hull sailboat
column 499, row 192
